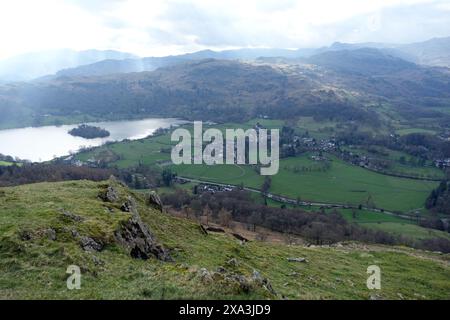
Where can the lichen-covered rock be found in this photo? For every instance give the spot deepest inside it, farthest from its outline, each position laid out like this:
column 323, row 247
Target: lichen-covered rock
column 111, row 194
column 141, row 243
column 233, row 262
column 242, row 282
column 129, row 206
column 233, row 280
column 29, row 235
column 205, row 276
column 51, row 234
column 262, row 281
column 153, row 200
column 221, row 270
column 89, row 244
column 70, row 216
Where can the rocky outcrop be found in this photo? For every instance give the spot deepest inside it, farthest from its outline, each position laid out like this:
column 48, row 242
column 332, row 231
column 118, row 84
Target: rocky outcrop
column 154, row 201
column 111, row 194
column 89, row 244
column 70, row 216
column 233, row 262
column 133, row 234
column 136, row 237
column 129, row 206
column 205, row 276
column 237, row 281
column 29, row 235
column 50, row 234
column 263, row 282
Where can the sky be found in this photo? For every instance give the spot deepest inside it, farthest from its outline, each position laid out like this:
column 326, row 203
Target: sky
column 165, row 27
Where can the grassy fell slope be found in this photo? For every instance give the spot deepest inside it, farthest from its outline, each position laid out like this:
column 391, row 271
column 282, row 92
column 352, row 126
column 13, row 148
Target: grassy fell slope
column 33, row 261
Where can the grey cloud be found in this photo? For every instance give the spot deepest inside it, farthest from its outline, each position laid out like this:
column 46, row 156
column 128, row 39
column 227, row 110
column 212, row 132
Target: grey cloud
column 220, row 29
column 191, row 24
column 395, row 25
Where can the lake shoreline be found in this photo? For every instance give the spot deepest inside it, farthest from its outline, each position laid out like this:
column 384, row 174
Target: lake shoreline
column 45, row 143
column 67, row 121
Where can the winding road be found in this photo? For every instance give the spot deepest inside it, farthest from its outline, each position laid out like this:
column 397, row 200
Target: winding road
column 286, row 200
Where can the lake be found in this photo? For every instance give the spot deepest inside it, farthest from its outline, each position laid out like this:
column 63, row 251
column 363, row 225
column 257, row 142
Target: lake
column 46, row 143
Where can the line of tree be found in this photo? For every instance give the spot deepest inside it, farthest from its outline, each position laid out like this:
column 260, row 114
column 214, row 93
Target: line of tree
column 33, row 173
column 318, row 227
column 439, row 199
column 140, row 177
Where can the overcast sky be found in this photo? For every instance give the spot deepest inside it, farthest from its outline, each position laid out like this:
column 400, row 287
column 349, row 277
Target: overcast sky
column 163, row 27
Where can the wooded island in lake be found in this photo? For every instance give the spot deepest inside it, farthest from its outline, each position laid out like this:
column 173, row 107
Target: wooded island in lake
column 89, row 132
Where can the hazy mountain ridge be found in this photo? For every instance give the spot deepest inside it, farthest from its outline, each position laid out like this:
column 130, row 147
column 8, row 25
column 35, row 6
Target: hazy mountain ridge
column 69, row 63
column 107, row 67
column 373, row 71
column 33, row 65
column 364, row 61
column 435, row 52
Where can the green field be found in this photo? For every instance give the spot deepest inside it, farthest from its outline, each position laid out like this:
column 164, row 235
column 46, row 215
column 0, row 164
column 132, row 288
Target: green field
column 392, row 224
column 316, row 129
column 409, row 230
column 408, row 168
column 131, row 153
column 365, row 216
column 35, row 267
column 342, row 183
column 406, row 131
column 377, row 221
column 298, row 177
column 345, row 183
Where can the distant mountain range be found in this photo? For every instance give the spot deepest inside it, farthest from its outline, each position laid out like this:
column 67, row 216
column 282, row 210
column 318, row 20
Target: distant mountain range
column 33, row 65
column 435, row 52
column 107, row 67
column 364, row 61
column 69, row 63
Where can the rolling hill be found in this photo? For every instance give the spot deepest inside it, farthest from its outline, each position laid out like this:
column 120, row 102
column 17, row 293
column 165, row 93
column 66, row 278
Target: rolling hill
column 126, row 248
column 337, row 83
column 107, row 67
